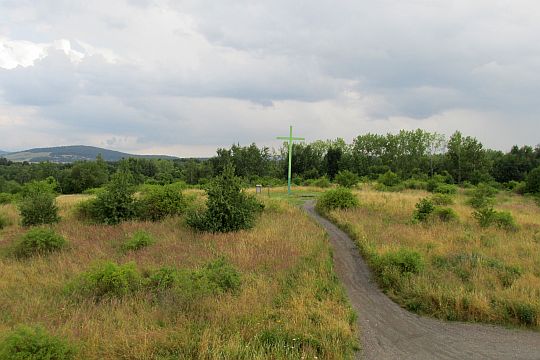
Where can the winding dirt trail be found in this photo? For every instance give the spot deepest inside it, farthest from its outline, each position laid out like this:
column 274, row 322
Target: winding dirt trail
column 389, row 332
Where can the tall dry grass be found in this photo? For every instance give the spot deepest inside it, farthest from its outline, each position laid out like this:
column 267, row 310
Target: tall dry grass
column 289, row 306
column 472, row 273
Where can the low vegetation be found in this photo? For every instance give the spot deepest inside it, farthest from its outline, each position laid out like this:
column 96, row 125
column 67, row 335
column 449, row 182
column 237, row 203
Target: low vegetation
column 34, row 343
column 138, row 240
column 339, row 198
column 38, row 241
column 483, row 267
column 228, row 208
column 261, row 293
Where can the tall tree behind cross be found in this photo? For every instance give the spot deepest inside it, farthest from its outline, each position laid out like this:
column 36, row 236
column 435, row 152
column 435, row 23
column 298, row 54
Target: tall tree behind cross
column 290, row 139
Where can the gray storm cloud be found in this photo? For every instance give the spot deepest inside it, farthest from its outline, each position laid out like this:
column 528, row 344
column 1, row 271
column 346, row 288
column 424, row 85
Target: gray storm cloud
column 184, row 77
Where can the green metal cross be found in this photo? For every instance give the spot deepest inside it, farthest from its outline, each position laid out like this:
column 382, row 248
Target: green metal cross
column 290, row 139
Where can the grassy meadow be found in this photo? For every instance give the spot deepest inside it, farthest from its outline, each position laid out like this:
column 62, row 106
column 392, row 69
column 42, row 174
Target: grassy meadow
column 289, row 306
column 466, row 272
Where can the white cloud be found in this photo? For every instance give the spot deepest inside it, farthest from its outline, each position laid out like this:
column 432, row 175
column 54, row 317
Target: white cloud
column 192, row 75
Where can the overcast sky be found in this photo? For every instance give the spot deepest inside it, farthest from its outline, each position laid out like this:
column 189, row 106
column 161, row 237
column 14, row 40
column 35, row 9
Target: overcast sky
column 185, row 77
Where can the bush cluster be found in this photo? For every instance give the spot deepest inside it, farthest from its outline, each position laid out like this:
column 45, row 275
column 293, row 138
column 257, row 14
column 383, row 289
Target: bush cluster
column 393, row 266
column 487, row 216
column 38, row 204
column 442, row 199
column 532, row 183
column 339, row 198
column 138, row 240
column 106, row 280
column 424, row 208
column 445, row 214
column 346, row 179
column 113, row 205
column 116, row 202
column 158, row 202
column 482, row 196
column 389, row 179
column 34, row 343
column 5, row 198
column 110, row 280
column 38, row 241
column 228, row 207
column 4, row 221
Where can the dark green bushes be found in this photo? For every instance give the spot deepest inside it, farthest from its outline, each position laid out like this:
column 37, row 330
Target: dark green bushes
column 322, row 182
column 38, row 204
column 106, row 280
column 389, row 179
column 340, row 198
column 445, row 214
column 482, row 196
column 110, row 280
column 158, row 202
column 138, row 240
column 228, row 207
column 487, row 216
column 5, row 198
column 532, row 183
column 38, row 241
column 346, row 179
column 442, row 199
column 4, row 221
column 34, row 343
column 394, row 266
column 424, row 208
column 113, row 205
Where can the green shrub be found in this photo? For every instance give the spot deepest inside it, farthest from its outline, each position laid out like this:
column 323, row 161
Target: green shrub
column 158, row 202
column 482, row 196
column 113, row 205
column 405, row 261
column 162, row 279
column 322, row 182
column 505, row 220
column 445, row 214
column 415, row 184
column 445, row 189
column 216, row 277
column 222, row 276
column 5, row 198
column 532, row 183
column 228, row 207
column 138, row 240
column 34, row 343
column 38, row 241
column 424, row 208
column 106, row 280
column 389, row 178
column 38, row 204
column 346, row 179
column 524, row 313
column 442, row 199
column 4, row 221
column 487, row 216
column 340, row 198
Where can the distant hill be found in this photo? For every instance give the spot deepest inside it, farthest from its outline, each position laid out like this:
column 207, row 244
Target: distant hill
column 68, row 154
column 2, row 152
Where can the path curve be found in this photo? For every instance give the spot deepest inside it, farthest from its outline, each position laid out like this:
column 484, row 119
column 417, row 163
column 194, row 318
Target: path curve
column 387, row 331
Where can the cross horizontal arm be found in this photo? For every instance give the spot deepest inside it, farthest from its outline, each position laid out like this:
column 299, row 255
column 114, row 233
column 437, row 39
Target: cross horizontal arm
column 289, row 138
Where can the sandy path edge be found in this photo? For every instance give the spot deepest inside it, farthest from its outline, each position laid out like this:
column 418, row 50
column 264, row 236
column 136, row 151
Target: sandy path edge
column 387, row 331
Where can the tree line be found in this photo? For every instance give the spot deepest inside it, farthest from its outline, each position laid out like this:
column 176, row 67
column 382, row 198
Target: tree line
column 409, row 154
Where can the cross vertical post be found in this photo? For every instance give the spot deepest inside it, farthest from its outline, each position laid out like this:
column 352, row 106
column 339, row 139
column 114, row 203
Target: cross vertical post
column 290, row 140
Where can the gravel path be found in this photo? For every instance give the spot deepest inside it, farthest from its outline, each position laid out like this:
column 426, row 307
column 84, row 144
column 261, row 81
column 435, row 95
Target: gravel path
column 389, row 332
